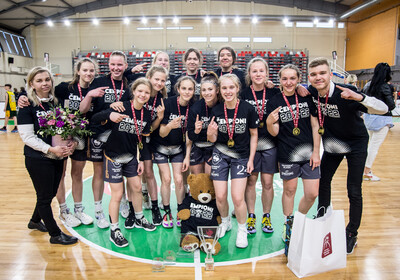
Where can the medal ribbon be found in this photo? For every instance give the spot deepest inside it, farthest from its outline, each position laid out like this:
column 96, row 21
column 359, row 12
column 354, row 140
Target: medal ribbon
column 186, row 117
column 231, row 132
column 321, row 117
column 295, row 117
column 41, row 106
column 195, row 77
column 230, row 72
column 136, row 124
column 80, row 91
column 260, row 112
column 115, row 90
column 153, row 108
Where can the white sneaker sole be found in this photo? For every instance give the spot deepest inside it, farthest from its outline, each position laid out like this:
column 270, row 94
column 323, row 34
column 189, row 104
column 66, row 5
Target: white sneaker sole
column 119, row 246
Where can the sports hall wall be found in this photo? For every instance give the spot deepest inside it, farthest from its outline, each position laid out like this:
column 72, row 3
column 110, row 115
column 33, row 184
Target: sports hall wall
column 60, row 41
column 372, row 39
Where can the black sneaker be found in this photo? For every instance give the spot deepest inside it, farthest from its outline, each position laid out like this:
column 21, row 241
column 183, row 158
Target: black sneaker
column 39, row 226
column 157, row 219
column 288, row 226
column 118, row 238
column 351, row 242
column 130, row 220
column 63, row 239
column 144, row 224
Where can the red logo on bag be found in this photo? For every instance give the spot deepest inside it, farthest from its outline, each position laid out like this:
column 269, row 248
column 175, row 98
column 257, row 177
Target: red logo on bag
column 327, row 246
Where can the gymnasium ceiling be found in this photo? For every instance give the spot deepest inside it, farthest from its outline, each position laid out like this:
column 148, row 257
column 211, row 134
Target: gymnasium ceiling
column 15, row 15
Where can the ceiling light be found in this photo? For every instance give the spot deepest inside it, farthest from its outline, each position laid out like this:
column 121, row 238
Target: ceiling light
column 95, row 21
column 254, row 20
column 127, row 21
column 223, row 20
column 67, row 22
column 316, row 21
column 50, row 23
column 207, row 20
column 285, row 20
column 237, row 19
column 160, row 20
column 144, row 20
column 175, row 20
column 330, row 21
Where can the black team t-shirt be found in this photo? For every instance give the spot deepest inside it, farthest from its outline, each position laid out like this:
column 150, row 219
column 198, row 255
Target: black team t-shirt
column 197, row 77
column 345, row 131
column 175, row 136
column 122, row 143
column 30, row 115
column 246, row 118
column 239, row 73
column 103, row 103
column 69, row 97
column 200, row 214
column 204, row 112
column 291, row 148
column 265, row 140
column 155, row 134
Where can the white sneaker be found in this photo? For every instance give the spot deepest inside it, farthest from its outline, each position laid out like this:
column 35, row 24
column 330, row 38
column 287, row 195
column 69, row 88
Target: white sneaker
column 241, row 238
column 224, row 227
column 101, row 220
column 83, row 217
column 371, row 177
column 124, row 208
column 69, row 219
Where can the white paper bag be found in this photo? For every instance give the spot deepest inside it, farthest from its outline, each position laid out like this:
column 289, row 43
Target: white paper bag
column 317, row 245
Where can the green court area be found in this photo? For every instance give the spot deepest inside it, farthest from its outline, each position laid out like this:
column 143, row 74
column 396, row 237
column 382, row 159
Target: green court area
column 145, row 246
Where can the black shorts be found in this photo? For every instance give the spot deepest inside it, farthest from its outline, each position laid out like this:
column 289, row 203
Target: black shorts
column 114, row 171
column 266, row 161
column 200, row 155
column 221, row 164
column 95, row 150
column 290, row 171
column 80, row 153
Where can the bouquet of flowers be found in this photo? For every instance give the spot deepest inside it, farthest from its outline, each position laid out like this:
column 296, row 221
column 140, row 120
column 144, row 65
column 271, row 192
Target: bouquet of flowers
column 60, row 121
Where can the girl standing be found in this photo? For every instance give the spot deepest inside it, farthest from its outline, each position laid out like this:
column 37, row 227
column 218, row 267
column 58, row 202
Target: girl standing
column 104, row 91
column 233, row 129
column 291, row 119
column 257, row 94
column 41, row 159
column 170, row 145
column 226, row 59
column 130, row 129
column 199, row 119
column 193, row 60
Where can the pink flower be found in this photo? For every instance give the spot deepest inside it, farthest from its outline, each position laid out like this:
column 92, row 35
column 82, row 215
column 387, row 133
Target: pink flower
column 71, row 116
column 51, row 122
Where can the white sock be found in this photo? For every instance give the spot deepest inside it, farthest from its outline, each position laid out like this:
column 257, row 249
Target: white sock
column 98, row 207
column 138, row 215
column 225, row 219
column 144, row 187
column 78, row 206
column 63, row 207
column 114, row 226
column 242, row 226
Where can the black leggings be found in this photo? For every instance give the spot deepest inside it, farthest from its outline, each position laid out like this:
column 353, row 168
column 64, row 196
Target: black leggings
column 46, row 175
column 356, row 164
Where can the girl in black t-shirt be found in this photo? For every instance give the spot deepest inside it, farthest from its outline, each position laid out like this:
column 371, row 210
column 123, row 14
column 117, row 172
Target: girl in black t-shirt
column 129, row 131
column 70, row 96
column 233, row 129
column 43, row 162
column 161, row 59
column 226, row 59
column 171, row 144
column 193, row 60
column 292, row 119
column 258, row 95
column 199, row 119
column 103, row 91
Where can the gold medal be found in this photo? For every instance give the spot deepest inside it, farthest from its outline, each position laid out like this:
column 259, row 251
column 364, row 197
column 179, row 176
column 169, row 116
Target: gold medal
column 321, row 130
column 140, row 146
column 261, row 125
column 296, row 131
column 184, row 138
column 231, row 143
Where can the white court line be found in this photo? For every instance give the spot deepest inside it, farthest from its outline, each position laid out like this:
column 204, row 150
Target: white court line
column 196, row 264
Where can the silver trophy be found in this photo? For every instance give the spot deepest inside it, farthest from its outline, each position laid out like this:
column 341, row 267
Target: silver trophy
column 209, row 236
